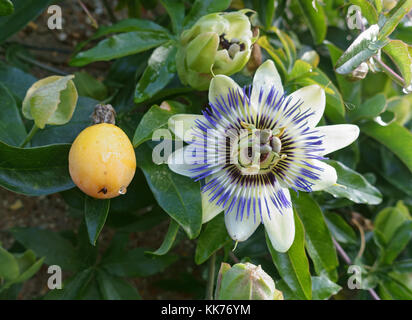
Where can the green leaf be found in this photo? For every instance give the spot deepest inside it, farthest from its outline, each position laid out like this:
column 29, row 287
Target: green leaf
column 398, row 51
column 351, row 91
column 120, row 45
column 9, row 268
column 371, row 108
column 17, row 81
column 323, row 288
column 378, row 5
column 35, row 171
column 12, row 130
column 135, row 263
column 390, row 219
column 154, row 119
column 274, row 54
column 95, row 213
column 397, row 243
column 395, row 137
column 160, row 70
column 353, row 186
column 176, row 11
column 24, row 12
column 289, row 48
column 126, row 25
column 213, row 237
column 364, row 47
column 403, row 266
column 179, row 196
column 367, row 10
column 300, row 69
column 402, row 108
column 293, row 266
column 396, row 15
column 88, row 86
column 114, row 288
column 319, row 242
column 28, row 266
column 393, row 289
column 56, row 249
column 340, row 229
column 269, row 13
column 169, row 239
column 6, row 7
column 203, row 7
column 50, row 101
column 315, row 19
column 387, row 165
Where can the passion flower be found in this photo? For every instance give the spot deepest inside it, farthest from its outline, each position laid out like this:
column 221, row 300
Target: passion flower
column 251, row 145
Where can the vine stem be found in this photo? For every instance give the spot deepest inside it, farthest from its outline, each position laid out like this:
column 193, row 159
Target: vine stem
column 346, row 258
column 29, row 136
column 397, row 78
column 93, row 20
column 211, row 277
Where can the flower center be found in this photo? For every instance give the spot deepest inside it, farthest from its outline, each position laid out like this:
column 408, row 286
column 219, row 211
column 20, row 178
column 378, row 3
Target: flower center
column 258, row 150
column 233, row 46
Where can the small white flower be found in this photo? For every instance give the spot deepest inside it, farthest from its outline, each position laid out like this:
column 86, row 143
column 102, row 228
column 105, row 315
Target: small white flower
column 249, row 176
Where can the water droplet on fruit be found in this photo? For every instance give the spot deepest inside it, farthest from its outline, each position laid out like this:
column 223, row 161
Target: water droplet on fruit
column 122, row 190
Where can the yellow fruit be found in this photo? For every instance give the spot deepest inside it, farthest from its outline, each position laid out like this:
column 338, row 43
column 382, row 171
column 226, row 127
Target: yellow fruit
column 102, row 161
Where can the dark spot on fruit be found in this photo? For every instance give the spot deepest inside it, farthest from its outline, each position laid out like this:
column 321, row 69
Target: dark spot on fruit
column 105, row 172
column 104, row 190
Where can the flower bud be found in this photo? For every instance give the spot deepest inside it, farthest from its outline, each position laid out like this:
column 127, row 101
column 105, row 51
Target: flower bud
column 359, row 73
column 311, row 57
column 218, row 43
column 51, row 100
column 388, row 4
column 245, row 281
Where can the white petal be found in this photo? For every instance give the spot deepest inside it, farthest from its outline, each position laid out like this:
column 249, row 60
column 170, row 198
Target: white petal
column 265, row 78
column 182, row 162
column 182, row 125
column 241, row 230
column 337, row 136
column 219, row 86
column 327, row 177
column 209, row 208
column 313, row 99
column 280, row 226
